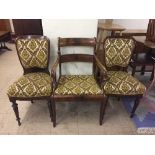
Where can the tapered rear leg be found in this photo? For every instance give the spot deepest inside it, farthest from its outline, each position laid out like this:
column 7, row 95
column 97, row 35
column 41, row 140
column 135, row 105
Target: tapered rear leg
column 102, row 109
column 15, row 109
column 137, row 100
column 53, row 112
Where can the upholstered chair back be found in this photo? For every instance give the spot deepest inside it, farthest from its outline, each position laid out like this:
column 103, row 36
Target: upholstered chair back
column 33, row 51
column 118, row 51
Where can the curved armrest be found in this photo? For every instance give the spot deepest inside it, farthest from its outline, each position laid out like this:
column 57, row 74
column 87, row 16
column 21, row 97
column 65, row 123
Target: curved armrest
column 54, row 67
column 103, row 76
column 53, row 73
column 100, row 65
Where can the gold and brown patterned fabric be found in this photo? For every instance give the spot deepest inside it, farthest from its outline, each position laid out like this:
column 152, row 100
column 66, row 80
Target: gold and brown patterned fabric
column 118, row 51
column 31, row 85
column 122, row 83
column 78, row 85
column 33, row 52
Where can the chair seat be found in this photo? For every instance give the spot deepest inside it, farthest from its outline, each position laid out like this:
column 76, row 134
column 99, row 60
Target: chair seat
column 77, row 85
column 122, row 83
column 31, row 85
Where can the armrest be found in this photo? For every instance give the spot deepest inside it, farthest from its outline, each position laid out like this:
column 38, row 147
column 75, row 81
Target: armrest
column 102, row 77
column 54, row 67
column 53, row 73
column 100, row 65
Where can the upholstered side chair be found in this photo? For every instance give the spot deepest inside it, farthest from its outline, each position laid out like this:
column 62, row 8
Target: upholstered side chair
column 76, row 87
column 117, row 55
column 35, row 84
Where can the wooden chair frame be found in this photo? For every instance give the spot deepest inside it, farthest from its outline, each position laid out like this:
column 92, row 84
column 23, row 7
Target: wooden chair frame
column 140, row 48
column 31, row 70
column 118, row 68
column 64, row 42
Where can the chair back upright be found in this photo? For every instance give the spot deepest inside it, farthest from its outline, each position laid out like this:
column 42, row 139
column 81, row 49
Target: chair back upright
column 118, row 52
column 69, row 42
column 33, row 52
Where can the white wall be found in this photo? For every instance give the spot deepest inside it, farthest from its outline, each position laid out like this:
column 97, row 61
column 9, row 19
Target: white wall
column 132, row 23
column 70, row 28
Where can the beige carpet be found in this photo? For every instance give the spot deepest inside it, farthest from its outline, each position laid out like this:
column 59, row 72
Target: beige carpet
column 72, row 118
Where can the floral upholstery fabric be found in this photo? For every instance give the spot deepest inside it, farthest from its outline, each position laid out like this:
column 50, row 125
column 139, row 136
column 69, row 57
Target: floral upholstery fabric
column 122, row 83
column 118, row 51
column 31, row 85
column 78, row 85
column 33, row 52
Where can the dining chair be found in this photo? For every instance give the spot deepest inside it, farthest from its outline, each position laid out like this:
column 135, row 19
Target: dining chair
column 36, row 83
column 76, row 87
column 117, row 54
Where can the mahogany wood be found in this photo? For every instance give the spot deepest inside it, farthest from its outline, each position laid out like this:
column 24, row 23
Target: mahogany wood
column 151, row 31
column 76, row 58
column 32, row 70
column 5, row 36
column 76, row 42
column 64, row 42
column 144, row 45
column 28, row 27
column 116, row 68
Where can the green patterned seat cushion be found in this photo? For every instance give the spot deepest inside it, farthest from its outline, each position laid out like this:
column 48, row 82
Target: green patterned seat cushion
column 31, row 85
column 118, row 51
column 33, row 52
column 122, row 83
column 78, row 85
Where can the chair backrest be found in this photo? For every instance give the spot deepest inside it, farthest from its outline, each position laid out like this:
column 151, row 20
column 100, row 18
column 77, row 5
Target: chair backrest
column 151, row 30
column 118, row 51
column 33, row 52
column 65, row 42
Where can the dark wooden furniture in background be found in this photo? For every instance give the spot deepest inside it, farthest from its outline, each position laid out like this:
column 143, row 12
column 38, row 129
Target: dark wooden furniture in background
column 65, row 42
column 5, row 33
column 107, row 27
column 150, row 36
column 132, row 32
column 142, row 56
column 5, row 36
column 5, row 25
column 151, row 46
column 28, row 27
column 147, row 43
column 148, row 48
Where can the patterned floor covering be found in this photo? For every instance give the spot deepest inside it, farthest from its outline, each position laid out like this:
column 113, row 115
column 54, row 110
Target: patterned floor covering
column 144, row 118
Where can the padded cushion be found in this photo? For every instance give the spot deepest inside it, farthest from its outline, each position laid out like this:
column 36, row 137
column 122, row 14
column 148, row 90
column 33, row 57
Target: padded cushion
column 78, row 85
column 33, row 52
column 122, row 83
column 31, row 85
column 118, row 51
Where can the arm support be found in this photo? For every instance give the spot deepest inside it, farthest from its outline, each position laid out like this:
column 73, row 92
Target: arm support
column 53, row 73
column 102, row 77
column 100, row 65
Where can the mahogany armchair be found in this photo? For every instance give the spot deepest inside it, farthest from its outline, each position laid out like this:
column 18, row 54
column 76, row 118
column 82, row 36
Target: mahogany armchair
column 76, row 87
column 117, row 55
column 35, row 84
